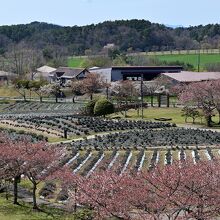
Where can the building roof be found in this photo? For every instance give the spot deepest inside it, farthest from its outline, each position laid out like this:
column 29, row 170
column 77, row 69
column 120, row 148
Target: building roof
column 149, row 68
column 186, row 76
column 68, row 72
column 3, row 73
column 94, row 68
column 46, row 69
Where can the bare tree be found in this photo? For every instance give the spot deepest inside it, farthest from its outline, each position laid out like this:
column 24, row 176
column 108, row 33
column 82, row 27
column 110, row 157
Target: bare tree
column 22, row 59
column 76, row 87
column 92, row 84
column 125, row 92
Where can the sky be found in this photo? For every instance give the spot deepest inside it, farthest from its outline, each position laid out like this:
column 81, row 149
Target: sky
column 83, row 12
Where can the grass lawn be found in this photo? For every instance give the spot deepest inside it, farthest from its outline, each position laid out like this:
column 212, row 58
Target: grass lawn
column 76, row 62
column 9, row 91
column 151, row 113
column 174, row 113
column 8, row 211
column 191, row 58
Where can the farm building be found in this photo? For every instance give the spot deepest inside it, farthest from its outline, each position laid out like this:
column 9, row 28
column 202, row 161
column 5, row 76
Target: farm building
column 104, row 72
column 64, row 75
column 188, row 77
column 135, row 72
column 5, row 77
column 43, row 72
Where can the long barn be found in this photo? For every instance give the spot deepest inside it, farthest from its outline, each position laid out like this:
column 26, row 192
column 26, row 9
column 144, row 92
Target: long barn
column 117, row 73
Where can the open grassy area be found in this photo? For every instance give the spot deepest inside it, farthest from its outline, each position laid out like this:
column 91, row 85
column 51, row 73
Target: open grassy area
column 174, row 113
column 151, row 113
column 186, row 58
column 8, row 211
column 10, row 91
column 76, row 62
column 191, row 58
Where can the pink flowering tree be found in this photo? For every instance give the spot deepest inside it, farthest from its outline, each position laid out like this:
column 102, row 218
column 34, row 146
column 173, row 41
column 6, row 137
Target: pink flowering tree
column 41, row 161
column 200, row 94
column 216, row 95
column 35, row 160
column 12, row 161
column 182, row 190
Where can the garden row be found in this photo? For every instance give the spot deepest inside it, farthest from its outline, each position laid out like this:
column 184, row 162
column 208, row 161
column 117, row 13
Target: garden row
column 21, row 107
column 88, row 162
column 78, row 125
column 19, row 135
column 149, row 138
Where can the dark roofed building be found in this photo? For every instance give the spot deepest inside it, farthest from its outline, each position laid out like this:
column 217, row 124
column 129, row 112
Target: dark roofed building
column 118, row 73
column 66, row 74
column 135, row 72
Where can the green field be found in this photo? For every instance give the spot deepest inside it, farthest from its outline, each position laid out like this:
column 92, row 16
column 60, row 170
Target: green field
column 76, row 62
column 186, row 58
column 191, row 58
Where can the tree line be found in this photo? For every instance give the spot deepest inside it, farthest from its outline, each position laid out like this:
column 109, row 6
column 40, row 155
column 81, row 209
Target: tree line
column 128, row 35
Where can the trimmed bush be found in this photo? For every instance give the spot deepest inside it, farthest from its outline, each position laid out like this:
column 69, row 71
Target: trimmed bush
column 103, row 107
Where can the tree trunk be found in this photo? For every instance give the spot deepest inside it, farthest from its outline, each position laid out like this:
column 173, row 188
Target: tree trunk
column 73, row 99
column 15, row 183
column 91, row 96
column 56, row 99
column 34, row 196
column 152, row 100
column 24, row 96
column 209, row 120
column 125, row 113
column 41, row 99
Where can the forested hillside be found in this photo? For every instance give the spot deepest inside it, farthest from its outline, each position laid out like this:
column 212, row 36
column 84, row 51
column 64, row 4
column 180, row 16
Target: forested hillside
column 126, row 35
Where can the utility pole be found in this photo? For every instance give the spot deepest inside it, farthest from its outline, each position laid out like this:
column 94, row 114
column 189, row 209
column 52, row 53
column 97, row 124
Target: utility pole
column 142, row 97
column 199, row 58
column 107, row 90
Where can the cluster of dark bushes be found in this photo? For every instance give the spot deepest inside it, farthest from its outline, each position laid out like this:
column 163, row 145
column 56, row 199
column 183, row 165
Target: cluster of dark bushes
column 100, row 124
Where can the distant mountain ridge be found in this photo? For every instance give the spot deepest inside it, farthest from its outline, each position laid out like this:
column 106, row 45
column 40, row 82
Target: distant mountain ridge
column 128, row 35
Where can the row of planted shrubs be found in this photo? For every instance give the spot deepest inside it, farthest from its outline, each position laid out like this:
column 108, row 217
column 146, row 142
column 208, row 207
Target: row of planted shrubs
column 150, row 138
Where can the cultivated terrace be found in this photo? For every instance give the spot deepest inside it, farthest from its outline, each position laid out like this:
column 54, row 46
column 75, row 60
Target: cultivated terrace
column 95, row 165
